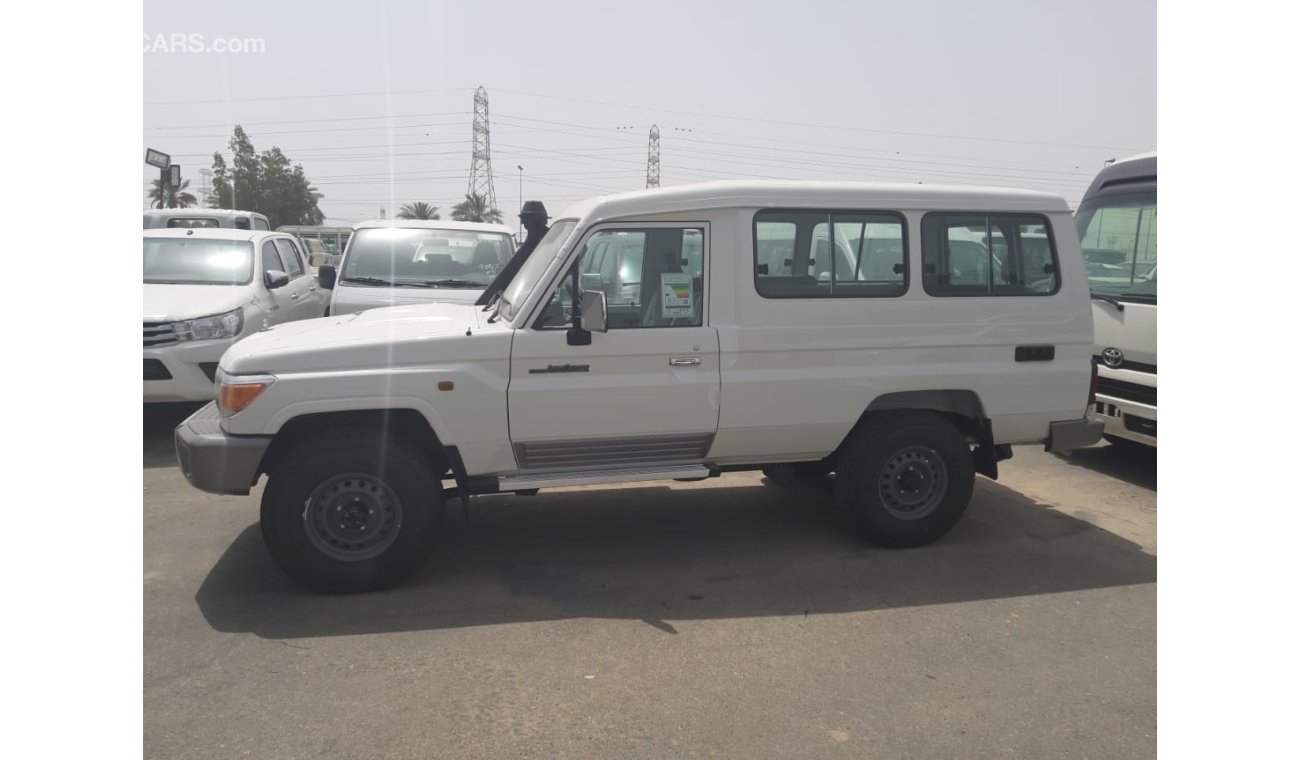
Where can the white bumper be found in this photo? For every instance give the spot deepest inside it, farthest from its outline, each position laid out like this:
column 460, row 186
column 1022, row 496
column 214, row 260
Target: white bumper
column 181, row 377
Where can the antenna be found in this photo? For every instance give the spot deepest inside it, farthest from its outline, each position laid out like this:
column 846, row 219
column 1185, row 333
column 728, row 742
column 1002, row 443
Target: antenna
column 652, row 159
column 480, row 168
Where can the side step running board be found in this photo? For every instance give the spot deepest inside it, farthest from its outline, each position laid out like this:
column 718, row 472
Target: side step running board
column 525, row 481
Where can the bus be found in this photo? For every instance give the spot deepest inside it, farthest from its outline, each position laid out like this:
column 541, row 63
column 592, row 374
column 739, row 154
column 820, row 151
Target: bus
column 1117, row 230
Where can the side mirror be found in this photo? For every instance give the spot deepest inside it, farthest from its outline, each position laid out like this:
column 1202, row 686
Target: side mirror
column 274, row 278
column 594, row 313
column 327, row 275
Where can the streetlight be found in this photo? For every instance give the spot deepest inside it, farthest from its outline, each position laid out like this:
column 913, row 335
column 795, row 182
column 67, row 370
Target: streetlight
column 521, row 201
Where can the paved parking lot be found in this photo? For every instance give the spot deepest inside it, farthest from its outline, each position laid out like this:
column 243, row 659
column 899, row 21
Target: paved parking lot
column 723, row 618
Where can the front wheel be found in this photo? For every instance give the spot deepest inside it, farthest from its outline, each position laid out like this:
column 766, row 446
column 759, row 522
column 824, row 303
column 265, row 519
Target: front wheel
column 352, row 512
column 906, row 479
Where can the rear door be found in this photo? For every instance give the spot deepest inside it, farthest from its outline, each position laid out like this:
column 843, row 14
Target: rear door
column 646, row 391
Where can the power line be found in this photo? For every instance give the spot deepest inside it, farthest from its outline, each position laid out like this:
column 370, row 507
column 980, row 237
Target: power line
column 302, row 97
column 816, row 126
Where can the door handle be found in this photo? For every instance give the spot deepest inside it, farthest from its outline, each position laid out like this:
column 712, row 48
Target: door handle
column 684, row 361
column 294, row 297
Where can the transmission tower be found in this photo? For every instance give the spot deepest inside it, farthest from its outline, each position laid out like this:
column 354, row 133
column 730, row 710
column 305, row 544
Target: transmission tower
column 652, row 159
column 480, row 169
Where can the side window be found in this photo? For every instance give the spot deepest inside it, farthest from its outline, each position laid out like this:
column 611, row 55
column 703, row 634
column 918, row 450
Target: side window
column 271, row 259
column 650, row 278
column 988, row 255
column 260, row 223
column 289, row 256
column 829, row 254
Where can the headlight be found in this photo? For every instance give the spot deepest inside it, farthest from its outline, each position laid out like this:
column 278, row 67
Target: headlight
column 235, row 392
column 225, row 325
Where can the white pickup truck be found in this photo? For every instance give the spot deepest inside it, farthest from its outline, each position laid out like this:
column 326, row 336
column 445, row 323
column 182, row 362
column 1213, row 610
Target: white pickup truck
column 672, row 333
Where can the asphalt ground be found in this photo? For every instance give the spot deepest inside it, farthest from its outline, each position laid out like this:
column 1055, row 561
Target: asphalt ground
column 723, row 618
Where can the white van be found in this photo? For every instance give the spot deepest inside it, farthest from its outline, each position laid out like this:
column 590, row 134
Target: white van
column 676, row 333
column 186, row 218
column 404, row 261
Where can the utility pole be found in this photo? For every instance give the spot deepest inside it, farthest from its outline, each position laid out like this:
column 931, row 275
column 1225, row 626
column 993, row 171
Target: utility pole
column 521, row 200
column 652, row 159
column 480, row 168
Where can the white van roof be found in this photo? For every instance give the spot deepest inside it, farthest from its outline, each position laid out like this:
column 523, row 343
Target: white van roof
column 800, row 194
column 432, row 224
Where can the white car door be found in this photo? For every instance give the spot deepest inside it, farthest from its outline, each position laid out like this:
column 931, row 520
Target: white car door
column 644, row 392
column 304, row 294
column 281, row 308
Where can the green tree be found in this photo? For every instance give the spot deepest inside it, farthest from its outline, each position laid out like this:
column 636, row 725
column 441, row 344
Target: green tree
column 165, row 196
column 268, row 183
column 418, row 210
column 475, row 209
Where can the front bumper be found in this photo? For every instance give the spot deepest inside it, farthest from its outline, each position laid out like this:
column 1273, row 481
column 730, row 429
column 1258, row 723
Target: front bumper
column 215, row 461
column 1126, row 419
column 183, row 366
column 1073, row 434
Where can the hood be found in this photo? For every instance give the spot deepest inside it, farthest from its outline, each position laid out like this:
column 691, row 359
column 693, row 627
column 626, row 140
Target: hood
column 350, row 298
column 172, row 303
column 386, row 337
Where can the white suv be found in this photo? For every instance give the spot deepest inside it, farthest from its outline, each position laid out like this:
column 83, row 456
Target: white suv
column 206, row 288
column 726, row 335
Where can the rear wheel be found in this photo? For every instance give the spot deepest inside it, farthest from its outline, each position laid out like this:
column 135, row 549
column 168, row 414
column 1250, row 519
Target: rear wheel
column 353, row 511
column 905, row 479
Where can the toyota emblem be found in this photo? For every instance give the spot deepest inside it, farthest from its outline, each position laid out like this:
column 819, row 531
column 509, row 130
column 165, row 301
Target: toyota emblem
column 1113, row 357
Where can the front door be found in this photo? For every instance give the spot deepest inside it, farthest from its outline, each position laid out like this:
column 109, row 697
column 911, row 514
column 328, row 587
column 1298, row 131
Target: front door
column 645, row 392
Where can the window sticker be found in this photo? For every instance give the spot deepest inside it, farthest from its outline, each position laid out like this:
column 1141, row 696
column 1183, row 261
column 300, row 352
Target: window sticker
column 678, row 295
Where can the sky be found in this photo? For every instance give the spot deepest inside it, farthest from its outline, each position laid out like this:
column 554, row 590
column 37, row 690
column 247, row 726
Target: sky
column 375, row 99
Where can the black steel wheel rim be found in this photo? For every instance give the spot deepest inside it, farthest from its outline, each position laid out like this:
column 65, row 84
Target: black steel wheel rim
column 913, row 482
column 352, row 517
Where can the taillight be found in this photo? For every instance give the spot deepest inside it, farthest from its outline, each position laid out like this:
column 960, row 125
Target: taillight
column 1092, row 385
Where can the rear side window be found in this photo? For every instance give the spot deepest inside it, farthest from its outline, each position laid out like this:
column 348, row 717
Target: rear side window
column 260, row 223
column 289, row 256
column 829, row 254
column 988, row 255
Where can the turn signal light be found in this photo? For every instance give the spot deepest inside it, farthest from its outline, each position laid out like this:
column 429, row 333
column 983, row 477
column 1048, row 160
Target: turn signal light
column 234, row 397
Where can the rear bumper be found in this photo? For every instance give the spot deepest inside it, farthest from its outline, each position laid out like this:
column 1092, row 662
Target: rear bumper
column 1073, row 434
column 214, row 461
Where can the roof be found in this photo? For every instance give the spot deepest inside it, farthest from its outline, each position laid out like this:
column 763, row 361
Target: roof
column 800, row 194
column 198, row 211
column 1138, row 157
column 209, row 233
column 432, row 224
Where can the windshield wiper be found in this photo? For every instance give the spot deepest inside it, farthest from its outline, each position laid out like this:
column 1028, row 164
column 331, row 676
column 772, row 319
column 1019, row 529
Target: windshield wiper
column 1110, row 300
column 452, row 284
column 368, row 281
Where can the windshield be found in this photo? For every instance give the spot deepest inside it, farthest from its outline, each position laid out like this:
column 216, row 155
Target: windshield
column 532, row 270
column 412, row 256
column 198, row 261
column 1118, row 237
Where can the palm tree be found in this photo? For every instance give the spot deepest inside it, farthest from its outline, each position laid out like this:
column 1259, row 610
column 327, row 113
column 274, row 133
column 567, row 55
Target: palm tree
column 165, row 196
column 418, row 210
column 475, row 209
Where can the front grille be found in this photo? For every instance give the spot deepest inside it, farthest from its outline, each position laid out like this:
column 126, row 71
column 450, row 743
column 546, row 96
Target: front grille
column 158, row 334
column 154, row 370
column 1126, row 364
column 1141, row 394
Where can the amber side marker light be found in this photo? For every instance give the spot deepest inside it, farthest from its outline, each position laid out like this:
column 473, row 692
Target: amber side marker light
column 233, row 397
column 445, row 385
